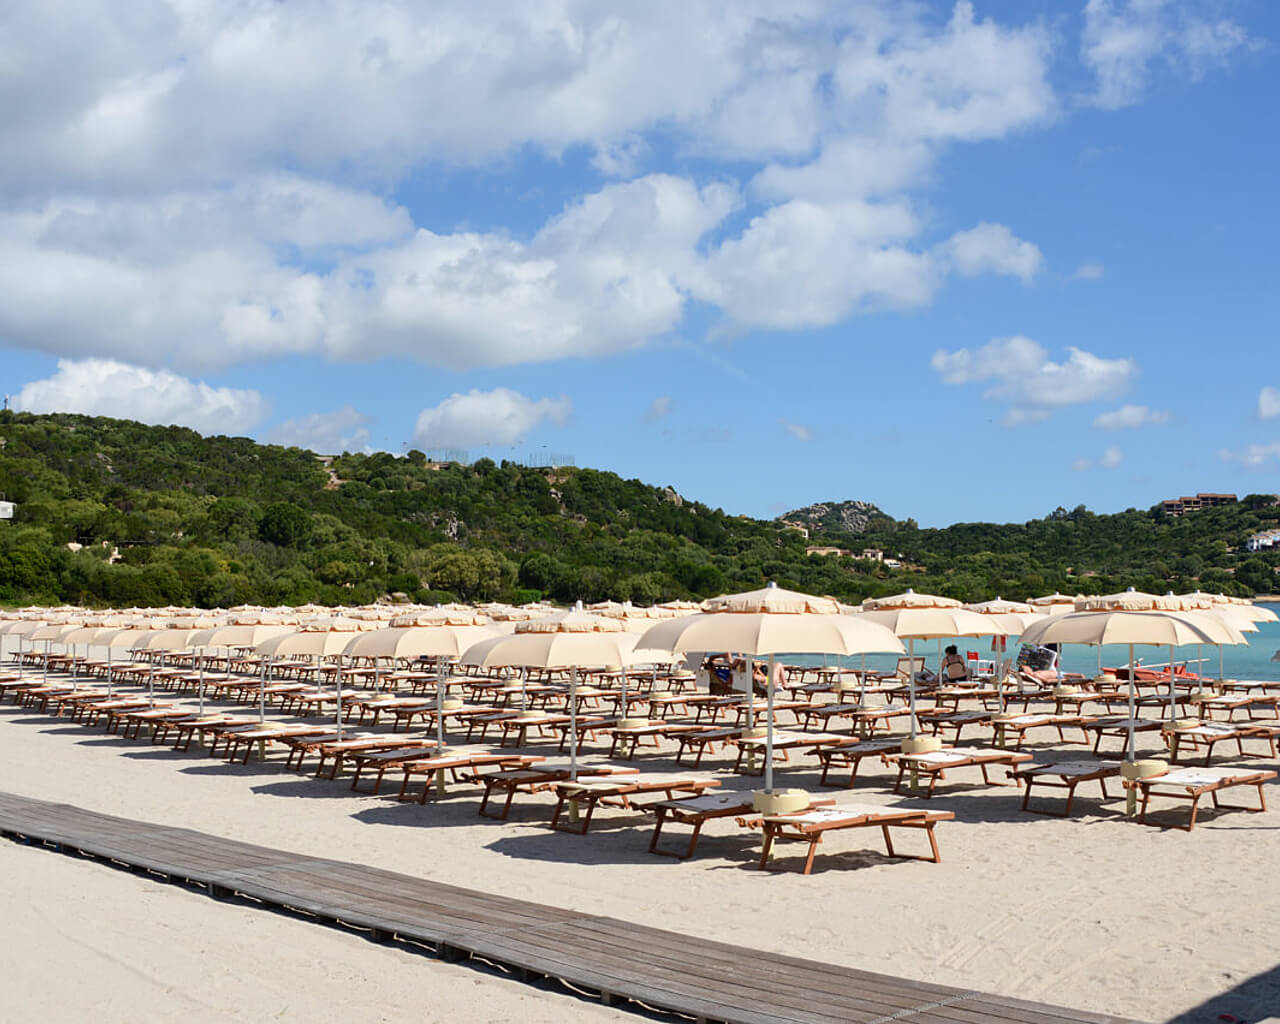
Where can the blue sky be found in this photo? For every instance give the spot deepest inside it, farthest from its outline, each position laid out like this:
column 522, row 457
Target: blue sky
column 963, row 260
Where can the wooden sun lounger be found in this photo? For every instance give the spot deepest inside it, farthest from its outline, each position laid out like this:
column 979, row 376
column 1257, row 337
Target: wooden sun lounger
column 697, row 811
column 381, row 760
column 702, row 737
column 454, row 761
column 784, row 740
column 338, row 750
column 1020, row 726
column 246, row 738
column 1193, row 783
column 1068, row 774
column 1102, row 727
column 936, row 721
column 91, row 714
column 515, row 730
column 628, row 737
column 850, row 755
column 812, row 825
column 133, row 721
column 1209, row 733
column 187, row 729
column 618, row 791
column 863, row 719
column 1249, row 703
column 935, row 763
column 536, row 779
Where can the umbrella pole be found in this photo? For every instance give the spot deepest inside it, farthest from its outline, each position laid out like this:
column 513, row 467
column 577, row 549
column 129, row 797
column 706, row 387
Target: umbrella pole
column 200, row 683
column 20, row 655
column 338, row 676
column 110, row 680
column 524, row 687
column 573, row 726
column 622, row 706
column 1172, row 701
column 151, row 679
column 768, row 735
column 440, row 719
column 911, row 684
column 262, row 692
column 1131, row 797
column 45, row 679
column 75, row 670
column 862, row 683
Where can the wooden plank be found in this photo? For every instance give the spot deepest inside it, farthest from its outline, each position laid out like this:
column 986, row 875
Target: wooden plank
column 703, row 978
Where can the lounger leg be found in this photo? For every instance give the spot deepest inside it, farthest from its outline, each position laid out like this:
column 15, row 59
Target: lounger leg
column 814, row 840
column 767, row 846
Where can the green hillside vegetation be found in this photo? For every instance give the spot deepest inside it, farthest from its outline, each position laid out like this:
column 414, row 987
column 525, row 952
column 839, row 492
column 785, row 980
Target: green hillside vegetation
column 115, row 513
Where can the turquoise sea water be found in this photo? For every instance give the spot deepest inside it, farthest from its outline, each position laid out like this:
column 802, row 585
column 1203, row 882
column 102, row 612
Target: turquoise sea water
column 1251, row 662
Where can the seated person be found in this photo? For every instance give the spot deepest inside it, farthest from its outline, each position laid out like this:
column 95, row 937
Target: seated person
column 721, row 677
column 954, row 668
column 760, row 677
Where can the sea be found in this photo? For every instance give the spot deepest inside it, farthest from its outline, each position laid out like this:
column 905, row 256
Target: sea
column 1253, row 661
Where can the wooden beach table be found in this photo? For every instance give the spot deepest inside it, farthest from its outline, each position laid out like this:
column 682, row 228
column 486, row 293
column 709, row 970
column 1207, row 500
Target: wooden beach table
column 935, row 763
column 618, row 791
column 697, row 811
column 1193, row 783
column 1068, row 775
column 849, row 755
column 537, row 778
column 1209, row 733
column 812, row 825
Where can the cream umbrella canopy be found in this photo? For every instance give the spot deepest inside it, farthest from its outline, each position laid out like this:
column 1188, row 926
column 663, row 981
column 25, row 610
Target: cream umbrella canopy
column 321, row 638
column 443, row 635
column 1053, row 604
column 572, row 640
column 770, row 622
column 1150, row 627
column 918, row 621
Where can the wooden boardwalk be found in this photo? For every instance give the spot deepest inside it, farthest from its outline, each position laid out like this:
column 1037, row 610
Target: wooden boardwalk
column 621, row 961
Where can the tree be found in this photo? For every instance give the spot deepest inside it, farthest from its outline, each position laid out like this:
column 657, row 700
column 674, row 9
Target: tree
column 284, row 524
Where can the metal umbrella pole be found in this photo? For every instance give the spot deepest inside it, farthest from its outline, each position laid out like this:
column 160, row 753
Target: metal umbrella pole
column 338, row 677
column 573, row 724
column 768, row 735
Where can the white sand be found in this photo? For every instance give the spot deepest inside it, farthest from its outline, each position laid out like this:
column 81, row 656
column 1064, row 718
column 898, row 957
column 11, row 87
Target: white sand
column 1093, row 912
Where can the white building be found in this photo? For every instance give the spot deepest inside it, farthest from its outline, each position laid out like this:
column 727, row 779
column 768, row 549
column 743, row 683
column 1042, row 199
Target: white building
column 1263, row 540
column 6, row 509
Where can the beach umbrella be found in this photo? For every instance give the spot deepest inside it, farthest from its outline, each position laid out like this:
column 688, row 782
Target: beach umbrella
column 912, row 619
column 161, row 641
column 1153, row 627
column 321, row 638
column 440, row 634
column 1011, row 618
column 572, row 640
column 770, row 622
column 1053, row 604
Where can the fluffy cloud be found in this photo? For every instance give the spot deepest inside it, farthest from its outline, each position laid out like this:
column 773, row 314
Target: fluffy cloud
column 145, row 203
column 329, row 433
column 1123, row 39
column 1128, row 417
column 1022, row 375
column 497, row 417
column 659, row 409
column 1110, row 459
column 1269, row 402
column 796, row 430
column 1255, row 454
column 1089, row 272
column 104, row 387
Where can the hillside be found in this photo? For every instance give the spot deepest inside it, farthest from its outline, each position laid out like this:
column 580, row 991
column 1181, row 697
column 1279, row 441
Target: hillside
column 854, row 517
column 112, row 512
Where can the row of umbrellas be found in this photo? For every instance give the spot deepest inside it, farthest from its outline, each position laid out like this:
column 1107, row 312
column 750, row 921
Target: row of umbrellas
column 762, row 623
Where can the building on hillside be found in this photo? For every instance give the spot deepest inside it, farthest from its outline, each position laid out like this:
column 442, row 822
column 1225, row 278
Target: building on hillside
column 1195, row 502
column 792, row 524
column 826, row 551
column 872, row 555
column 1263, row 540
column 6, row 509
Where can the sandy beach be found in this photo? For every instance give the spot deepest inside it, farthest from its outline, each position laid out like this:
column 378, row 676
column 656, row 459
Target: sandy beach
column 1094, row 912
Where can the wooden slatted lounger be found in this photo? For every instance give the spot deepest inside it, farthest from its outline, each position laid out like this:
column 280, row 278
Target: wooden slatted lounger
column 1020, row 725
column 1193, row 783
column 515, row 730
column 1117, row 727
column 936, row 721
column 784, row 740
column 850, row 755
column 536, row 779
column 628, row 737
column 338, row 750
column 454, row 761
column 246, row 738
column 702, row 737
column 697, row 811
column 935, row 762
column 91, row 714
column 381, row 760
column 619, row 792
column 812, row 825
column 1249, row 703
column 1210, row 733
column 1069, row 775
column 187, row 729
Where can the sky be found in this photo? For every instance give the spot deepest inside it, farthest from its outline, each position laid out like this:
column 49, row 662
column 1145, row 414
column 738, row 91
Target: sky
column 964, row 260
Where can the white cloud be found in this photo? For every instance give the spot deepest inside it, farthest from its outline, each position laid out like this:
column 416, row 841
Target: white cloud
column 659, row 409
column 1255, row 454
column 1269, row 402
column 1089, row 272
column 991, row 249
column 497, row 417
column 1022, row 375
column 1110, row 459
column 1123, row 39
column 796, row 430
column 1127, row 417
column 104, row 387
column 328, row 433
